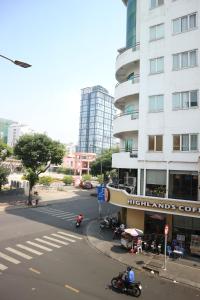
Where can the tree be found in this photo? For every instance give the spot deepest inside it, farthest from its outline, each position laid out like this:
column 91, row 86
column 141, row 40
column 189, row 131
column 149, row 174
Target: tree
column 37, row 152
column 4, row 172
column 103, row 161
column 5, row 151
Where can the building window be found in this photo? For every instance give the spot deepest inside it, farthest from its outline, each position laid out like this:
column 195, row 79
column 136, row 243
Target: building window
column 185, row 142
column 184, row 60
column 156, row 32
column 185, row 100
column 185, row 23
column 155, row 142
column 157, row 65
column 155, row 3
column 156, row 103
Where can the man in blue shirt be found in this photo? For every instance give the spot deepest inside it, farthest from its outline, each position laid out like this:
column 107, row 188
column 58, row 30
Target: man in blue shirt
column 130, row 277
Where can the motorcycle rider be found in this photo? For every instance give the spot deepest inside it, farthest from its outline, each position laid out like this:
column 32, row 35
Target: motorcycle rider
column 129, row 277
column 79, row 218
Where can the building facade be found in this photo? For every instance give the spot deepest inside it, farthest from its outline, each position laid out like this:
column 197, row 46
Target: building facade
column 78, row 162
column 15, row 131
column 4, row 125
column 96, row 120
column 158, row 125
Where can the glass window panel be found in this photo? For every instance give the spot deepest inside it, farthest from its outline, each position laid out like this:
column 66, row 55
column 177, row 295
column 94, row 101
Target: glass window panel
column 192, row 21
column 185, row 99
column 176, row 59
column 153, row 3
column 193, row 58
column 185, row 142
column 160, row 2
column 160, row 102
column 176, row 142
column 152, row 66
column 152, row 104
column 160, row 64
column 160, row 31
column 184, row 23
column 151, row 143
column 152, row 33
column 193, row 142
column 159, row 142
column 176, row 103
column 176, row 26
column 184, row 59
column 193, row 98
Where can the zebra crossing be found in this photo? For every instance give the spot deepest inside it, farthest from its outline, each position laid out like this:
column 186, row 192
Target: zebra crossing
column 37, row 247
column 64, row 215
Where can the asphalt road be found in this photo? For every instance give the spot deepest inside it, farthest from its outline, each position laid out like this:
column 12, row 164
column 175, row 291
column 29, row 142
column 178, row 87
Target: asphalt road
column 72, row 270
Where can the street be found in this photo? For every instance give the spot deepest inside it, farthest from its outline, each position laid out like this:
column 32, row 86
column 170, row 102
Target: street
column 43, row 256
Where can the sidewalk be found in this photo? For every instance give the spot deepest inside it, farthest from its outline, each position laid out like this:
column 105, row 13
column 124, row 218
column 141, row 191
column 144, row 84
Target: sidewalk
column 180, row 270
column 18, row 201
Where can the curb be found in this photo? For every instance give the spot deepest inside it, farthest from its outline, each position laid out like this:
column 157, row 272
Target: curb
column 93, row 241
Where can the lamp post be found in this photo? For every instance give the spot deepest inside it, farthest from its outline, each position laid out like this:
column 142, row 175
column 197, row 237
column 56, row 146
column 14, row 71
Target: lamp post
column 17, row 62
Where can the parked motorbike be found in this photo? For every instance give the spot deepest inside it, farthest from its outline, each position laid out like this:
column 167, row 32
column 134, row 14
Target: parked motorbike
column 108, row 223
column 133, row 289
column 118, row 231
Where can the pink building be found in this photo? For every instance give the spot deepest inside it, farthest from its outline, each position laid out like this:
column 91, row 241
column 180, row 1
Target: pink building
column 79, row 162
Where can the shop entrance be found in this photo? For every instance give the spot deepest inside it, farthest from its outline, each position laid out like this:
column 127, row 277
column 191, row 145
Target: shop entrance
column 154, row 223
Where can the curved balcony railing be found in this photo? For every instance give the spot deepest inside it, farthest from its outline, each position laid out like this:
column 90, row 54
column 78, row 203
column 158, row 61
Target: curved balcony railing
column 134, row 48
column 133, row 151
column 134, row 79
column 134, row 115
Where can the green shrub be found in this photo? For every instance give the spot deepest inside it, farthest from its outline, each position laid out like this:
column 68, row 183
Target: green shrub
column 87, row 177
column 45, row 180
column 68, row 179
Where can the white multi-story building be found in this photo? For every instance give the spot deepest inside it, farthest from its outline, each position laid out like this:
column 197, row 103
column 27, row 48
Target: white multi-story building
column 15, row 131
column 158, row 76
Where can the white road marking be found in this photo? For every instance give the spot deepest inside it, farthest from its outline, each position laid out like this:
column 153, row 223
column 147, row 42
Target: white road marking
column 29, row 249
column 19, row 253
column 48, row 243
column 55, row 240
column 9, row 258
column 63, row 237
column 2, row 267
column 70, row 235
column 39, row 246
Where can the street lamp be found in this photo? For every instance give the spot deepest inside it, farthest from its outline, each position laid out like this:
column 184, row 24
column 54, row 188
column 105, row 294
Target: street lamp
column 17, row 62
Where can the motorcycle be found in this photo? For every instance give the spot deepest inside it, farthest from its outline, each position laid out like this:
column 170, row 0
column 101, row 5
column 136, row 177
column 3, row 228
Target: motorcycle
column 134, row 289
column 108, row 223
column 118, row 231
column 79, row 220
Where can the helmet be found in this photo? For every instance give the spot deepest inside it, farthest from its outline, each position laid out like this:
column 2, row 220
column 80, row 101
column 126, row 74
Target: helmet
column 129, row 269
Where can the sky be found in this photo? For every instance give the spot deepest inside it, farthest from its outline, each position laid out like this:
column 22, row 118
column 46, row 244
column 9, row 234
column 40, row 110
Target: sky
column 70, row 45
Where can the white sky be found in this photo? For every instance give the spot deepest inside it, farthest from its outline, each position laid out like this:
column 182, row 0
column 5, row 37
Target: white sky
column 71, row 45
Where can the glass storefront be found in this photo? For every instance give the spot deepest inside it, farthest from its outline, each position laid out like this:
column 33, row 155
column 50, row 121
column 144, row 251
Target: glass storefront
column 183, row 185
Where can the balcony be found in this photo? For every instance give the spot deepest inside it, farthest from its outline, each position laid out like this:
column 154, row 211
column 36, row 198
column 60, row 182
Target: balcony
column 125, row 122
column 125, row 60
column 125, row 159
column 126, row 89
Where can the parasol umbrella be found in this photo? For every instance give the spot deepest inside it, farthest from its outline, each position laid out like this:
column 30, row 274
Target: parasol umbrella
column 134, row 231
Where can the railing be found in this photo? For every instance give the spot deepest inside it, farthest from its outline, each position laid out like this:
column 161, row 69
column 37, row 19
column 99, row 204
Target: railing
column 135, row 79
column 134, row 48
column 133, row 151
column 133, row 114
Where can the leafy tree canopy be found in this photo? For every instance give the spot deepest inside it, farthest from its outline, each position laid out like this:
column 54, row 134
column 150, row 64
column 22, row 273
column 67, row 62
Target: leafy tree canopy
column 5, row 151
column 4, row 172
column 37, row 152
column 104, row 160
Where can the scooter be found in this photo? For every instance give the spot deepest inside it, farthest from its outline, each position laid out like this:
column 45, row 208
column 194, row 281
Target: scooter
column 133, row 289
column 79, row 220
